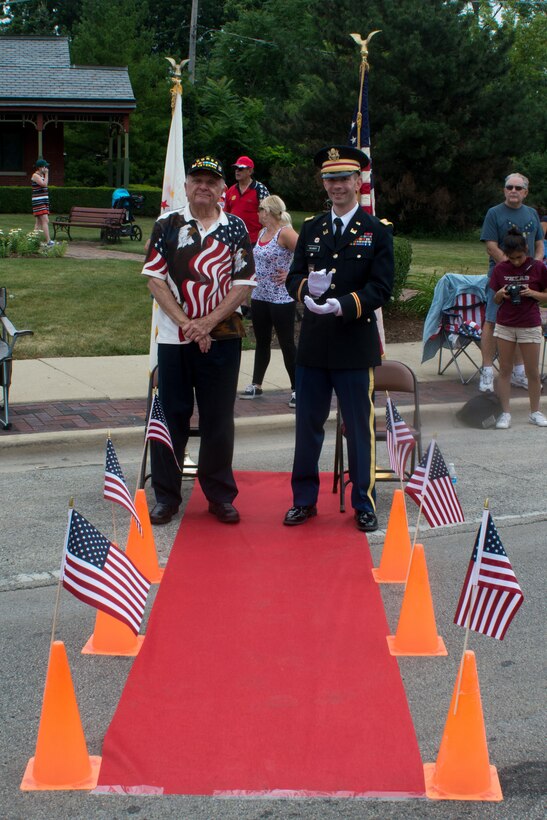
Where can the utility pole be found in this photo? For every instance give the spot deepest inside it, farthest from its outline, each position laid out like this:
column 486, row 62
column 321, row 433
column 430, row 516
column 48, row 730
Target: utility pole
column 193, row 38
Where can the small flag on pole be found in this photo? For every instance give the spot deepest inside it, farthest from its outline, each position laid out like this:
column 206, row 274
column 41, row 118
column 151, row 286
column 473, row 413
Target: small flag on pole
column 400, row 441
column 101, row 575
column 157, row 429
column 115, row 488
column 490, row 586
column 431, row 487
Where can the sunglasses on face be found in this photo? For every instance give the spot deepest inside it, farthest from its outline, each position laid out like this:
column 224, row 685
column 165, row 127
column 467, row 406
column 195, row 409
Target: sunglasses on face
column 514, row 187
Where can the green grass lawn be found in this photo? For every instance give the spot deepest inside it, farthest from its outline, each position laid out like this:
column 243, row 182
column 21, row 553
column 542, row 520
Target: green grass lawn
column 102, row 307
column 78, row 307
column 448, row 255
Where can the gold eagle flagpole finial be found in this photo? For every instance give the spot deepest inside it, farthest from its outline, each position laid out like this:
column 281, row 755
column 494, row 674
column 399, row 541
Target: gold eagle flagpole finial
column 176, row 73
column 363, row 68
column 363, row 44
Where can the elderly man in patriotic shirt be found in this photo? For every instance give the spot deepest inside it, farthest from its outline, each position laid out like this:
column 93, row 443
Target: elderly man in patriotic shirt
column 200, row 268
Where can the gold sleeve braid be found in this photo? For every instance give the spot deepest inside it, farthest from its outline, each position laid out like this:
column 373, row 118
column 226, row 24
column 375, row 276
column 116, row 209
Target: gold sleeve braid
column 302, row 283
column 358, row 305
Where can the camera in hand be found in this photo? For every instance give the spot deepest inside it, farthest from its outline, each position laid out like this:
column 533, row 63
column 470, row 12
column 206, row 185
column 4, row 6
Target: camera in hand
column 513, row 291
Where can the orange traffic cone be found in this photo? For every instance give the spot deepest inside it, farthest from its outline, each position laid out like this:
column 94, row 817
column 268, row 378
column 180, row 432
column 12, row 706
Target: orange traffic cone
column 417, row 631
column 112, row 637
column 395, row 559
column 61, row 760
column 462, row 770
column 141, row 549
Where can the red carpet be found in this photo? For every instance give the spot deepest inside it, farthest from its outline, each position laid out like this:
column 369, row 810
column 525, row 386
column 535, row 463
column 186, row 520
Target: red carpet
column 265, row 667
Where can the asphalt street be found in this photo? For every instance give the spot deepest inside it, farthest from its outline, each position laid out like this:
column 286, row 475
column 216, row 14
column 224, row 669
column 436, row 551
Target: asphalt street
column 508, row 467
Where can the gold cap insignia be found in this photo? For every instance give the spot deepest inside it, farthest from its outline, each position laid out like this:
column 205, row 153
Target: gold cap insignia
column 333, row 153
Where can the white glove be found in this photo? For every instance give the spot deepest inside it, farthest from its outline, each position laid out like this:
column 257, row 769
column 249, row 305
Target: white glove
column 330, row 306
column 318, row 282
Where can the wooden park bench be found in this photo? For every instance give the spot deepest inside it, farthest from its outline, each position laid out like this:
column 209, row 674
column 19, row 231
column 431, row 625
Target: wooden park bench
column 109, row 220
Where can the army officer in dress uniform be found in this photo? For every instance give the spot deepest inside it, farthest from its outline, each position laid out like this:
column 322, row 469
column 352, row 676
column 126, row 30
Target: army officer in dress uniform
column 342, row 271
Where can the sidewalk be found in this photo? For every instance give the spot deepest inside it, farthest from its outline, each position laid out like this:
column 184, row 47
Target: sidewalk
column 53, row 397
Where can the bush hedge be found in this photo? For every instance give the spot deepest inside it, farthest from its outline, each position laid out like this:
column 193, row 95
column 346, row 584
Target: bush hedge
column 17, row 200
column 402, row 250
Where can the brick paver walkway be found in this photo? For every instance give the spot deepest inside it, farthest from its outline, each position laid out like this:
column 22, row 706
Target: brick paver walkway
column 57, row 416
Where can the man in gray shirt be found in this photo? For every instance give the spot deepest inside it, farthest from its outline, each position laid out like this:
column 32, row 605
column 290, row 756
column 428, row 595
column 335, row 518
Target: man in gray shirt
column 512, row 213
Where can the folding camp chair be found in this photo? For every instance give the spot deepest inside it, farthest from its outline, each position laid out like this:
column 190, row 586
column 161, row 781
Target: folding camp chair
column 460, row 333
column 8, row 338
column 395, row 377
column 454, row 321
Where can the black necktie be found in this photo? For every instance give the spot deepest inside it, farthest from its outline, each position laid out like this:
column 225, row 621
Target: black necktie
column 337, row 230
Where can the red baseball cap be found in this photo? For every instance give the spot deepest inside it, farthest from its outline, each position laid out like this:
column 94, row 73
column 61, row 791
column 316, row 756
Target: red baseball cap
column 243, row 162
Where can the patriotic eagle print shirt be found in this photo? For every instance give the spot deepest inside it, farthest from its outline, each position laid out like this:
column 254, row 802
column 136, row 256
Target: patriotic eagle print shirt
column 200, row 268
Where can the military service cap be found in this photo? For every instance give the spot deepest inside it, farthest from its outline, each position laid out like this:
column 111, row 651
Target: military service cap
column 340, row 161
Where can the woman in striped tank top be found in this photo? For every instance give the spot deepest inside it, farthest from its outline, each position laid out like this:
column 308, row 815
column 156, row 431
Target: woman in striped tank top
column 40, row 198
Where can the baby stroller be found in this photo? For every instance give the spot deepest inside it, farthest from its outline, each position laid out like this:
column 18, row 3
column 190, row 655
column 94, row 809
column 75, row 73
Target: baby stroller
column 121, row 198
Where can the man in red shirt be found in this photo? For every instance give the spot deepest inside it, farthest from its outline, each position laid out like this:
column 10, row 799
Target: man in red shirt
column 243, row 198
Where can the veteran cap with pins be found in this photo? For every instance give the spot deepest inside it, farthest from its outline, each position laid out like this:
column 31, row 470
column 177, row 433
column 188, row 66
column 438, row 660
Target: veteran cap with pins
column 340, row 161
column 206, row 164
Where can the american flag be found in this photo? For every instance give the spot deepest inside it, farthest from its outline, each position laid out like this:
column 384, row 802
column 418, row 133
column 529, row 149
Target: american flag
column 157, row 429
column 99, row 574
column 115, row 487
column 490, row 586
column 431, row 486
column 400, row 441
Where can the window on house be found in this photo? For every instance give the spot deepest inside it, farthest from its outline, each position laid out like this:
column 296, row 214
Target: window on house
column 11, row 149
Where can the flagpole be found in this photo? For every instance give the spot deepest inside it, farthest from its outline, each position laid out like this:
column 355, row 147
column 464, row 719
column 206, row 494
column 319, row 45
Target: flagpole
column 364, row 67
column 473, row 596
column 108, row 438
column 430, row 452
column 61, row 574
column 140, row 480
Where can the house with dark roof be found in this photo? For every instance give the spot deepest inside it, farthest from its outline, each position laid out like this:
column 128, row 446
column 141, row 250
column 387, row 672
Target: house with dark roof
column 40, row 91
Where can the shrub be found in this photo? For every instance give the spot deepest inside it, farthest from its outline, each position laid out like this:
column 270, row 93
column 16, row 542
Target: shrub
column 402, row 250
column 17, row 200
column 425, row 285
column 18, row 243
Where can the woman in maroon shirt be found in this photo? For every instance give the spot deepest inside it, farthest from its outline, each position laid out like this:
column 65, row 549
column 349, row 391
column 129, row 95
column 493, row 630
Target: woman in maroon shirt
column 520, row 284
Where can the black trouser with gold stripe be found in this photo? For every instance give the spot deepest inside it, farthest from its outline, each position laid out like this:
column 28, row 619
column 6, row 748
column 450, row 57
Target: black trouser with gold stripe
column 354, row 389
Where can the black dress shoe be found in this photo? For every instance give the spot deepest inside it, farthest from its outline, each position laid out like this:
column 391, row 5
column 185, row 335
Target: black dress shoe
column 224, row 511
column 163, row 513
column 366, row 520
column 297, row 515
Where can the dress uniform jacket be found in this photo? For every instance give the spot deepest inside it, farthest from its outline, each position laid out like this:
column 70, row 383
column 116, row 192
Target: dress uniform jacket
column 362, row 281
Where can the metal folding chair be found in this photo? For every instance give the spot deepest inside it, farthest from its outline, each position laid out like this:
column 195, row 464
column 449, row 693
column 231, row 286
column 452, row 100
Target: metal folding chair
column 8, row 338
column 189, row 469
column 395, row 377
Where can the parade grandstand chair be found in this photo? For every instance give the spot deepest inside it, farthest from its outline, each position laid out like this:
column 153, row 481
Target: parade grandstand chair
column 8, row 337
column 401, row 383
column 189, row 469
column 453, row 326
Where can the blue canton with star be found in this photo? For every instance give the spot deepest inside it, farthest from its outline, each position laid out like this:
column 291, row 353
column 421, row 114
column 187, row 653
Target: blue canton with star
column 86, row 542
column 492, row 542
